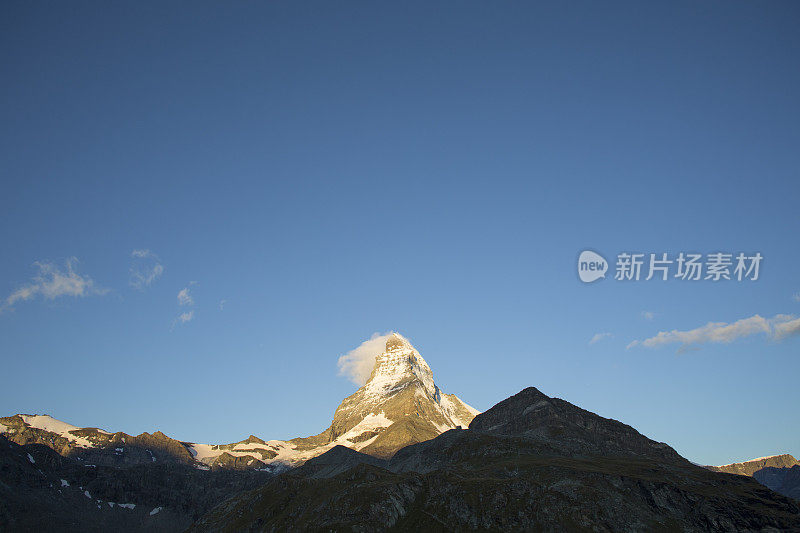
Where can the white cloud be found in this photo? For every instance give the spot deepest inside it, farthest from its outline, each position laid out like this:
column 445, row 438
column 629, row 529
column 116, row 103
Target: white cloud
column 357, row 364
column 648, row 315
column 222, row 304
column 184, row 298
column 183, row 318
column 787, row 328
column 145, row 269
column 51, row 282
column 796, row 297
column 778, row 327
column 598, row 337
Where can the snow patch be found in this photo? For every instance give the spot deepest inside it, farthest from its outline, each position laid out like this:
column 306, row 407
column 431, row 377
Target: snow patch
column 48, row 423
column 371, row 422
column 206, row 453
column 765, row 457
column 441, row 428
column 450, row 410
column 155, row 511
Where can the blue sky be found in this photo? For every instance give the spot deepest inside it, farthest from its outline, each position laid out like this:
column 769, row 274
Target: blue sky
column 334, row 170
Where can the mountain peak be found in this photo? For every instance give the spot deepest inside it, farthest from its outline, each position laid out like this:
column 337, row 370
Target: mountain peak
column 395, row 342
column 397, row 367
column 398, row 405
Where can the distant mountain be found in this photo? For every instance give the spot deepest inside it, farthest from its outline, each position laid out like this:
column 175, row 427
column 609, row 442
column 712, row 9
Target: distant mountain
column 91, row 445
column 398, row 405
column 530, row 462
column 748, row 468
column 781, row 473
column 41, row 490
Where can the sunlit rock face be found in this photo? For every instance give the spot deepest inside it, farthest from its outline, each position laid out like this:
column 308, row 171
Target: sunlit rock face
column 396, row 342
column 399, row 405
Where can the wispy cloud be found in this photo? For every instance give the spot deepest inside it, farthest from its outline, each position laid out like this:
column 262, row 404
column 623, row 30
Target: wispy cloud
column 787, row 328
column 598, row 337
column 183, row 318
column 778, row 327
column 357, row 364
column 222, row 304
column 648, row 315
column 51, row 282
column 796, row 297
column 145, row 269
column 184, row 298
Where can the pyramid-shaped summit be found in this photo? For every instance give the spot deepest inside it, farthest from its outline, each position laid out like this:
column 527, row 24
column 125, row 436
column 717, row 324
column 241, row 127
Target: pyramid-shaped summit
column 398, row 405
column 395, row 342
column 396, row 368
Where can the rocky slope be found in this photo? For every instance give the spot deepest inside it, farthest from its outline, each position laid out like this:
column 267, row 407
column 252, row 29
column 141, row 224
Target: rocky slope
column 784, row 480
column 398, row 405
column 530, row 462
column 41, row 490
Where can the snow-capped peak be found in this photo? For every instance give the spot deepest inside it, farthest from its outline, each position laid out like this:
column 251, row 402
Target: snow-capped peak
column 398, row 365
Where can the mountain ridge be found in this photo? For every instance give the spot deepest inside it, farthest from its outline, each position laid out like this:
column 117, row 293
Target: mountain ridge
column 779, row 472
column 399, row 404
column 530, row 462
column 750, row 466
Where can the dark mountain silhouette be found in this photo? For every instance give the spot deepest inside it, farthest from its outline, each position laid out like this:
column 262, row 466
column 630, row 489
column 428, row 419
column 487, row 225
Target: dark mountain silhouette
column 530, row 462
